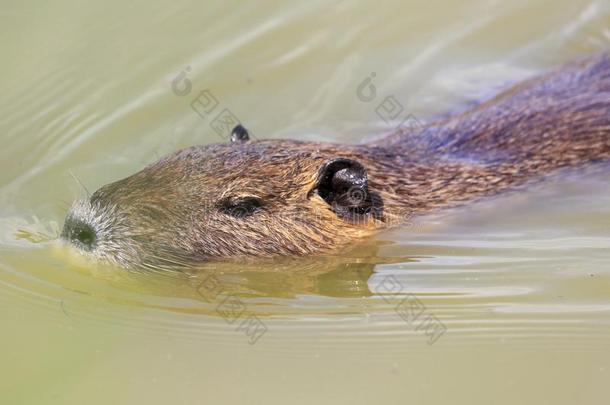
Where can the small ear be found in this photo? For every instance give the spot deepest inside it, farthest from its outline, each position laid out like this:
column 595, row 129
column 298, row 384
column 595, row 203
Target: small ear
column 239, row 134
column 343, row 184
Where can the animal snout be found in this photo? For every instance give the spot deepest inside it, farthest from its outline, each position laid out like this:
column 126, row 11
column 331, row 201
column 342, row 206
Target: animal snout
column 80, row 234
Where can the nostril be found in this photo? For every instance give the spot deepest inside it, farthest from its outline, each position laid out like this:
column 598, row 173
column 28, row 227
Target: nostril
column 80, row 234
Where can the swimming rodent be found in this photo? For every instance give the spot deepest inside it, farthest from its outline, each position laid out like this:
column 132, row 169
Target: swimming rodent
column 273, row 198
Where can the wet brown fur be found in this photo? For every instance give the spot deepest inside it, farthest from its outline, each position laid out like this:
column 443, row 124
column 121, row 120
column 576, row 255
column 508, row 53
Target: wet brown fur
column 168, row 214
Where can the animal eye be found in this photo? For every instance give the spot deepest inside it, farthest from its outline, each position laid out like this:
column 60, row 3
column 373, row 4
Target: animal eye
column 240, row 207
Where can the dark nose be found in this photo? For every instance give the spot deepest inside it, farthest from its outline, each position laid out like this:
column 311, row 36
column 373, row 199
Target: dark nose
column 79, row 233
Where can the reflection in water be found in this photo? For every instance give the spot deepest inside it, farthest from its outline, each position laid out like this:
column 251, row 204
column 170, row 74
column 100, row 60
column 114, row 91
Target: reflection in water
column 341, row 276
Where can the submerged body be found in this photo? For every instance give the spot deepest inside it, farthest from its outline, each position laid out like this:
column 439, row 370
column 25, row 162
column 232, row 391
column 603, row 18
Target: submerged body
column 285, row 197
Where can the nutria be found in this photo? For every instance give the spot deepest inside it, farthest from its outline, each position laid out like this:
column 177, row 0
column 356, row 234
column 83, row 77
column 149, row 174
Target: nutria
column 286, row 197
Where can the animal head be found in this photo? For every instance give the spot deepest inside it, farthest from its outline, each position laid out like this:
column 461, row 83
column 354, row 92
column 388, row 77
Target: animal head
column 244, row 198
